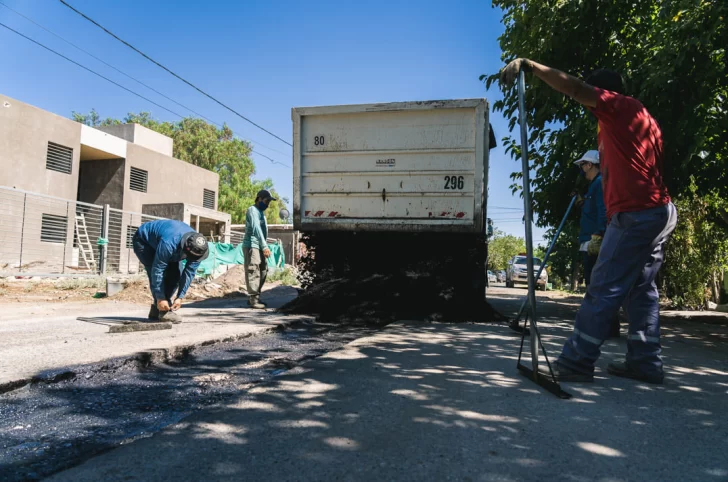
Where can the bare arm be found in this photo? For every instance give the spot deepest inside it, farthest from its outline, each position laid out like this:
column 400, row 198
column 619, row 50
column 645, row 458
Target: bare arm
column 562, row 82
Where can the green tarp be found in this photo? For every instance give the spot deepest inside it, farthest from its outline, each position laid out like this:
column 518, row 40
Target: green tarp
column 225, row 254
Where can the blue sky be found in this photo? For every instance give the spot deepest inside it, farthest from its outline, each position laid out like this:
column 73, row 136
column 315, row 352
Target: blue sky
column 262, row 58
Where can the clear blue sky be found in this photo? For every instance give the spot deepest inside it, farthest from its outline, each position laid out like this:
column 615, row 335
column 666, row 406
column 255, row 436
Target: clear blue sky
column 262, row 58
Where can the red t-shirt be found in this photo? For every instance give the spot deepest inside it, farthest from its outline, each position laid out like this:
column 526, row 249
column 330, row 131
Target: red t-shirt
column 630, row 151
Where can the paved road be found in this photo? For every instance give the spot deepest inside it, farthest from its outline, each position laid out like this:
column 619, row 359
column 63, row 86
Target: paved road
column 49, row 336
column 444, row 402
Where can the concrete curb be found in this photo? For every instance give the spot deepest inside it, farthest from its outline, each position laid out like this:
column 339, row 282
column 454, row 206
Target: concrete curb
column 142, row 359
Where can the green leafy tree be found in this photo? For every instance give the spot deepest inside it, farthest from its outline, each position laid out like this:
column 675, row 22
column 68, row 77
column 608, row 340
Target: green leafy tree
column 673, row 57
column 502, row 248
column 210, row 147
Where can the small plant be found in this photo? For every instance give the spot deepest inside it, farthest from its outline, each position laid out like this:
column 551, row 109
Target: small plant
column 70, row 284
column 286, row 276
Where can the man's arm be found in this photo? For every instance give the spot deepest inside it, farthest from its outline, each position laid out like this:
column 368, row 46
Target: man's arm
column 186, row 278
column 560, row 81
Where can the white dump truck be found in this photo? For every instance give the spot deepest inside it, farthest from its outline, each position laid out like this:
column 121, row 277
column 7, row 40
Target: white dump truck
column 409, row 177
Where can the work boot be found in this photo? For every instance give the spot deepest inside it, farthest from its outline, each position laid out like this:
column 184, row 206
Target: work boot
column 623, row 369
column 567, row 375
column 153, row 312
column 254, row 302
column 171, row 317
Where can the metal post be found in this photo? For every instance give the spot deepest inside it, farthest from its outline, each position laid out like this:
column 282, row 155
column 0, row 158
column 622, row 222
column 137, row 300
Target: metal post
column 65, row 243
column 104, row 252
column 22, row 233
column 535, row 342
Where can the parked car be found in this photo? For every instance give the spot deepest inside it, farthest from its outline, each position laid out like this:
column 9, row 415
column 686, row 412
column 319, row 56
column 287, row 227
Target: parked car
column 491, row 277
column 500, row 276
column 517, row 272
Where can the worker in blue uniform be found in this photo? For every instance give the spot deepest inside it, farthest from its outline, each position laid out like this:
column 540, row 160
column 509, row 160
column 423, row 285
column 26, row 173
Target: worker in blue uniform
column 171, row 252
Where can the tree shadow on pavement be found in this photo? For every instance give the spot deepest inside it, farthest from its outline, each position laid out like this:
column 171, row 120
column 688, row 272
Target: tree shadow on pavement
column 445, row 402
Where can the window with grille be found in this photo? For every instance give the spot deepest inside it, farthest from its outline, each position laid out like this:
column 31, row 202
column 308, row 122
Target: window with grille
column 53, row 229
column 208, row 199
column 138, row 179
column 59, row 158
column 130, row 232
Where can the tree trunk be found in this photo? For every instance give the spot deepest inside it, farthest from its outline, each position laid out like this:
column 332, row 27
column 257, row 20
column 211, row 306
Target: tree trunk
column 575, row 274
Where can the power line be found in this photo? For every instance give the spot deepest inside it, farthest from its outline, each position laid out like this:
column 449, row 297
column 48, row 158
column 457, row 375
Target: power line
column 140, row 82
column 123, row 87
column 174, row 74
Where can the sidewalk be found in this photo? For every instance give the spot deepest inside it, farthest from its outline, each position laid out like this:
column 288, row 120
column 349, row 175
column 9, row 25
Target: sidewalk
column 48, row 336
column 445, row 402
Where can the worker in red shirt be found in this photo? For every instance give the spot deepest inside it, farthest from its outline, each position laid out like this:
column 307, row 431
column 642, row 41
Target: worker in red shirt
column 641, row 219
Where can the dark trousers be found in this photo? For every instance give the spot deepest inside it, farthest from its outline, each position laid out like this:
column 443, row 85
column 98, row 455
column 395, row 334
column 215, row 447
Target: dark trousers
column 632, row 253
column 170, row 281
column 589, row 262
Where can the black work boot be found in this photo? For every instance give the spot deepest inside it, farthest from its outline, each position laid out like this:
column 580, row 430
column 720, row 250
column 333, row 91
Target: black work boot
column 567, row 375
column 153, row 312
column 625, row 370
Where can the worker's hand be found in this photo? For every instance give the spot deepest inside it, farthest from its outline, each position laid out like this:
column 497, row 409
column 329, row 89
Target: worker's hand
column 509, row 73
column 177, row 304
column 594, row 245
column 266, row 253
column 163, row 305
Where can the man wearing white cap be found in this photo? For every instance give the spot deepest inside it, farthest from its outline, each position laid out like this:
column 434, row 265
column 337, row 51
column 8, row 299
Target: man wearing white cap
column 593, row 221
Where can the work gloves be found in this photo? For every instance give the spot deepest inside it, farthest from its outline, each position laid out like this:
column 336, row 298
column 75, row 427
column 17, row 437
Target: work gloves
column 509, row 73
column 594, row 245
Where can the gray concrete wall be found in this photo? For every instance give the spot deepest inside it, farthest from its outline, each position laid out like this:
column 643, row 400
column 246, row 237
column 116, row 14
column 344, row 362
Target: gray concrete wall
column 141, row 136
column 169, row 180
column 102, row 182
column 24, row 134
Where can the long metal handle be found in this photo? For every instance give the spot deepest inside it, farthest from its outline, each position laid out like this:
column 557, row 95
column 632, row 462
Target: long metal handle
column 535, row 342
column 548, row 253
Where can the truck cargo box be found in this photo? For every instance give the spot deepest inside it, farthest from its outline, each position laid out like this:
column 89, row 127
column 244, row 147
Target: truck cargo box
column 402, row 167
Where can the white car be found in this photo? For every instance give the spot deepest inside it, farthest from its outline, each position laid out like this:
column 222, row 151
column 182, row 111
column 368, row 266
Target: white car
column 517, row 272
column 491, row 277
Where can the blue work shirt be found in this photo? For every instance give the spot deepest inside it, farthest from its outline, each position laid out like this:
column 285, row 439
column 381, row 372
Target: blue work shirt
column 165, row 238
column 593, row 212
column 256, row 229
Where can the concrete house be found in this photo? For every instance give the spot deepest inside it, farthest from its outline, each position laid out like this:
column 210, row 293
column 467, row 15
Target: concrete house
column 128, row 167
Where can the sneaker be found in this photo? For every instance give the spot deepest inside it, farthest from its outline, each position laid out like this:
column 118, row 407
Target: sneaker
column 567, row 375
column 171, row 317
column 623, row 369
column 255, row 304
column 153, row 313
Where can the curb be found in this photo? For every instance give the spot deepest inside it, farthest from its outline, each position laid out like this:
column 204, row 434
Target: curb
column 142, row 359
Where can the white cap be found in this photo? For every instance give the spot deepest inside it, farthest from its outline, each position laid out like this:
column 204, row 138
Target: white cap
column 589, row 156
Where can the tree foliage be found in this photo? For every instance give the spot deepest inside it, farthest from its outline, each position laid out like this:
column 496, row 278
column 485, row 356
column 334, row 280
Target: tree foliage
column 672, row 54
column 209, row 147
column 502, row 248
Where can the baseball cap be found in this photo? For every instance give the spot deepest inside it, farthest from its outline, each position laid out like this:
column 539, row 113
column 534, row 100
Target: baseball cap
column 195, row 247
column 589, row 156
column 264, row 194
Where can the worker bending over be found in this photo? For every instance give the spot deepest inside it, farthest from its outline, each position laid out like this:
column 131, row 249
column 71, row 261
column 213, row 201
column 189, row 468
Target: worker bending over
column 170, row 251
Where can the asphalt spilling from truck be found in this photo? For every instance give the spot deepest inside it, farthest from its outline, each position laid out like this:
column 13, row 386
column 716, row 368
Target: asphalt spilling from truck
column 45, row 428
column 385, row 277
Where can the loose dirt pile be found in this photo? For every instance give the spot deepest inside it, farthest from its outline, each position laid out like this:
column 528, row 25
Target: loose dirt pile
column 383, row 277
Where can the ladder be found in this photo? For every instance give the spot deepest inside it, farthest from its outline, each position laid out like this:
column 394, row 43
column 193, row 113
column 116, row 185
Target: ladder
column 84, row 243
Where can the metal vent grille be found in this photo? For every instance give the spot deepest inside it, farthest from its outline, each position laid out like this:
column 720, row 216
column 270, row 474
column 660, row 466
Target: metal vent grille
column 138, row 179
column 208, row 199
column 59, row 158
column 53, row 228
column 130, row 232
